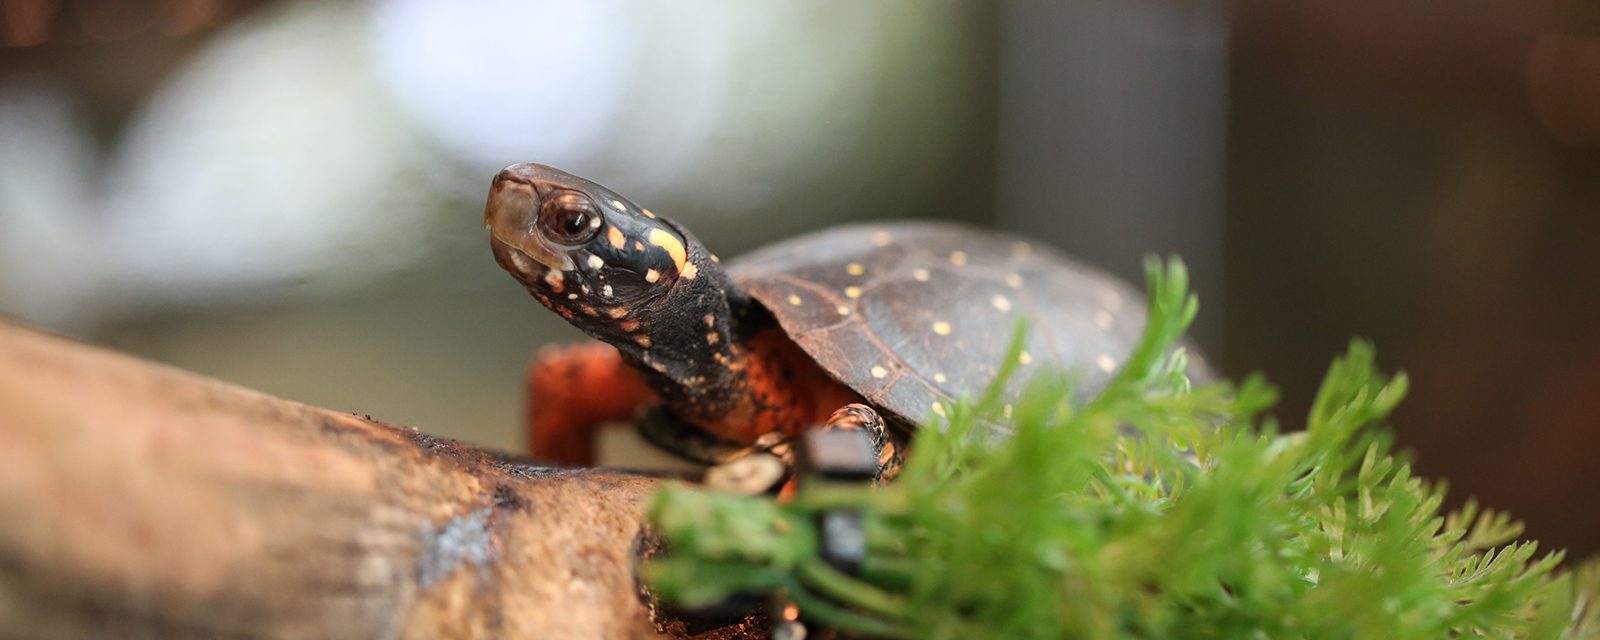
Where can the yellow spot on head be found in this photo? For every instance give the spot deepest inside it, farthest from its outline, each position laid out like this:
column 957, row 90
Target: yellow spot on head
column 1025, row 358
column 958, row 257
column 939, row 378
column 938, row 407
column 921, row 275
column 715, row 259
column 852, row 292
column 647, row 213
column 879, row 372
column 794, row 300
column 690, row 271
column 1014, row 281
column 1001, row 302
column 617, row 313
column 643, row 340
column 843, row 310
column 1106, row 362
column 711, row 320
column 595, row 262
column 629, row 325
column 615, row 236
column 855, row 269
column 674, row 247
column 881, row 238
column 1103, row 319
column 651, row 276
column 942, row 328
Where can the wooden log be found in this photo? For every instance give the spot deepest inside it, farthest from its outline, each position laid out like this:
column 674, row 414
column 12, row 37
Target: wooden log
column 138, row 500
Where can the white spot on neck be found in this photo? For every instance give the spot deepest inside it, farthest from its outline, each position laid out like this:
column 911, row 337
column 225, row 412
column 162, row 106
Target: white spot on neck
column 921, row 275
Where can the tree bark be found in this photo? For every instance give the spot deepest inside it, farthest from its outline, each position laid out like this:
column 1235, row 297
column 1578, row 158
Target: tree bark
column 141, row 501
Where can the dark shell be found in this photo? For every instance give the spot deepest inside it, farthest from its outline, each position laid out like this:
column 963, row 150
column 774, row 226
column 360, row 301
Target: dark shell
column 912, row 313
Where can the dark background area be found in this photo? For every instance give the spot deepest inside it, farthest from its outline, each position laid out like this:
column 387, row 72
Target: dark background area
column 287, row 195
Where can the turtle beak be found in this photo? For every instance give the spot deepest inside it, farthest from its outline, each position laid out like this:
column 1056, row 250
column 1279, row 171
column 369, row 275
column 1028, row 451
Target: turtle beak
column 512, row 217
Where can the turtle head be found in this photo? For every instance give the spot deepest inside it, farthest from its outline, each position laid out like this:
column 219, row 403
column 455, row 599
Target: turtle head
column 612, row 268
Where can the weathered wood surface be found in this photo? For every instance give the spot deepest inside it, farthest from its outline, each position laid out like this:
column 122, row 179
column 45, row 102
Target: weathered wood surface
column 141, row 501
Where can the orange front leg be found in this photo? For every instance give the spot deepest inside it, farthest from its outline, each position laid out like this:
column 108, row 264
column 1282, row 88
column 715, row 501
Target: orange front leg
column 571, row 390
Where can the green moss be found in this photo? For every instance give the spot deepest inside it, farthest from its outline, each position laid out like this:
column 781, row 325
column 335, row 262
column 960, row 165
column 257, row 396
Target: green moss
column 1154, row 510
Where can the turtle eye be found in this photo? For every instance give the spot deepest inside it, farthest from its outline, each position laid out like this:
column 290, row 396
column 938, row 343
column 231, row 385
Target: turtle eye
column 569, row 218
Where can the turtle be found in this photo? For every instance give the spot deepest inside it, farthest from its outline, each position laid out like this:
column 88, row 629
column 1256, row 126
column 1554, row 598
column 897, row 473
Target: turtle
column 877, row 326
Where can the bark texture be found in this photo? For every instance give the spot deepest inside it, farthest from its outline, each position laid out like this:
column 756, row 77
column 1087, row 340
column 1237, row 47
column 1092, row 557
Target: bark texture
column 141, row 501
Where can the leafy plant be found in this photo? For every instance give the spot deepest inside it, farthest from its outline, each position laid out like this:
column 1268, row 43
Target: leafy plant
column 1153, row 510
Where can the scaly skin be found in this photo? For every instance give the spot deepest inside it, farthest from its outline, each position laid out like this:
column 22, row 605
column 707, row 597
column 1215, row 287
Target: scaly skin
column 649, row 289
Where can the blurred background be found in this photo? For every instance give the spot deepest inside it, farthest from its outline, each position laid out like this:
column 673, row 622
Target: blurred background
column 288, row 194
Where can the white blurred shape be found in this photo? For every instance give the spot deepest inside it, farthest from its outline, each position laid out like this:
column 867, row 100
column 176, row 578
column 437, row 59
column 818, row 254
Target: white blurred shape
column 50, row 255
column 732, row 105
column 498, row 81
column 271, row 162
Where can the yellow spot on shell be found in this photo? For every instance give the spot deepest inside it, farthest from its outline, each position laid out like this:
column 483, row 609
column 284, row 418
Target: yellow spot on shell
column 852, row 292
column 958, row 258
column 651, row 276
column 1014, row 281
column 942, row 328
column 638, row 246
column 880, row 238
column 879, row 372
column 1106, row 362
column 939, row 378
column 794, row 300
column 855, row 269
column 1103, row 319
column 1000, row 302
column 938, row 407
column 921, row 275
column 673, row 246
column 843, row 310
column 615, row 236
column 1025, row 358
column 690, row 271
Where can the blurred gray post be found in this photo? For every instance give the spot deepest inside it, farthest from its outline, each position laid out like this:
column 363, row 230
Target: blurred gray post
column 1113, row 125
